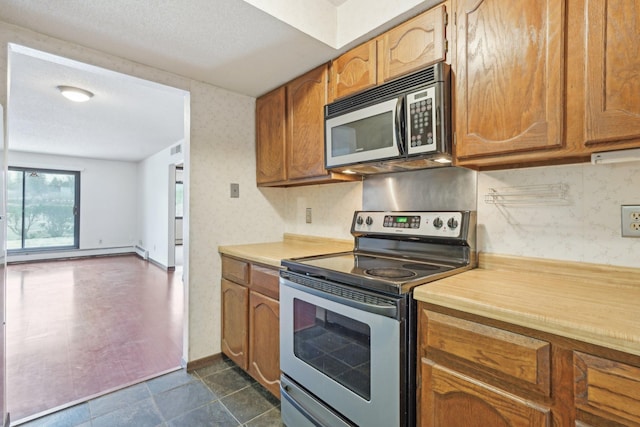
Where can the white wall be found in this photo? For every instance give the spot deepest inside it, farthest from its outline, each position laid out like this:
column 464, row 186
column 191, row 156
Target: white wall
column 107, row 198
column 155, row 215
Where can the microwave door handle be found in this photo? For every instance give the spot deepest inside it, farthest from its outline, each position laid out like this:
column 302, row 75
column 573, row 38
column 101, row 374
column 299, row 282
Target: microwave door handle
column 400, row 126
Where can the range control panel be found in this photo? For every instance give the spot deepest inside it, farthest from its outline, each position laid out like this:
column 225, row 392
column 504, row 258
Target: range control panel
column 420, row 224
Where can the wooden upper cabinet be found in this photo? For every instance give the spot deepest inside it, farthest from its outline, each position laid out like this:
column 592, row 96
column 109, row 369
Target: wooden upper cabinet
column 413, row 45
column 612, row 73
column 355, row 70
column 271, row 137
column 290, row 133
column 509, row 76
column 306, row 97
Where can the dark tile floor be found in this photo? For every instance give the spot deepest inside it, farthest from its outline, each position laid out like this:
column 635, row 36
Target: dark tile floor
column 218, row 395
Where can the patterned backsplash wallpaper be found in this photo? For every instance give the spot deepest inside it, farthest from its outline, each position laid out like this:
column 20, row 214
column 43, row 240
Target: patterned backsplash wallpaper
column 583, row 225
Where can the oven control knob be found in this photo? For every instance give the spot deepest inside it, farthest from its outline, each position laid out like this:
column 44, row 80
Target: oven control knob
column 452, row 223
column 369, row 220
column 359, row 220
column 437, row 223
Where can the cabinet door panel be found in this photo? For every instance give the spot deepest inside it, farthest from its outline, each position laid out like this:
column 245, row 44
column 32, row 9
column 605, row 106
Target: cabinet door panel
column 613, row 71
column 414, row 44
column 607, row 388
column 510, row 90
column 264, row 341
column 235, row 302
column 454, row 400
column 514, row 357
column 271, row 137
column 306, row 97
column 354, row 71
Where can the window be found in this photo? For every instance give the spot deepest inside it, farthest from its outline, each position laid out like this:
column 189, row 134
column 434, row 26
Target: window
column 42, row 209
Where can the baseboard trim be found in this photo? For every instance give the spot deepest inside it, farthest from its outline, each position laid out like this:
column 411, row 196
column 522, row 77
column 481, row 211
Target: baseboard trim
column 67, row 254
column 160, row 265
column 204, row 362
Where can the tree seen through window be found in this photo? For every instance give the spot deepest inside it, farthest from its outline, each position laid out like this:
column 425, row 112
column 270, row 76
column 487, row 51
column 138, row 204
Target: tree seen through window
column 42, row 209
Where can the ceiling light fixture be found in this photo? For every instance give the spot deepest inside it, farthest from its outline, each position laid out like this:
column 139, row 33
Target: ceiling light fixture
column 75, row 94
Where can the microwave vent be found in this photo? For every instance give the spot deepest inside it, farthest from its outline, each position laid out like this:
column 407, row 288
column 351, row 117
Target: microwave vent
column 424, row 77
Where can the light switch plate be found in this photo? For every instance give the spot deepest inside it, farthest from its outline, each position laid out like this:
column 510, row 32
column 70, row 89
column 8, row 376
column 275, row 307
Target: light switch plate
column 235, row 191
column 308, row 218
column 630, row 220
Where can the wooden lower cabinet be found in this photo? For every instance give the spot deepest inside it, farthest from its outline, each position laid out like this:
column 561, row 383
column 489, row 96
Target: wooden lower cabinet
column 474, row 371
column 607, row 390
column 455, row 400
column 251, row 320
column 235, row 303
column 264, row 341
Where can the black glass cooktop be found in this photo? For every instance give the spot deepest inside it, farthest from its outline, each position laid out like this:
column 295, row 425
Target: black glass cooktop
column 370, row 271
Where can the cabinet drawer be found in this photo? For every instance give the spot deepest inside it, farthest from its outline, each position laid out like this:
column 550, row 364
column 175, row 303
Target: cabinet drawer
column 504, row 355
column 607, row 388
column 235, row 270
column 266, row 281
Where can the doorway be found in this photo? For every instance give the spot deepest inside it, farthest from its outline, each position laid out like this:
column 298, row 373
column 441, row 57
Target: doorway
column 127, row 125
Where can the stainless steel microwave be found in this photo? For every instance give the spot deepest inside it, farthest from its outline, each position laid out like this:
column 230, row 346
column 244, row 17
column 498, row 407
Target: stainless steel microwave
column 401, row 125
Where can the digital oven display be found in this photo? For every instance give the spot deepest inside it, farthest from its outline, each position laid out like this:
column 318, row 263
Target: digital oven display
column 396, row 221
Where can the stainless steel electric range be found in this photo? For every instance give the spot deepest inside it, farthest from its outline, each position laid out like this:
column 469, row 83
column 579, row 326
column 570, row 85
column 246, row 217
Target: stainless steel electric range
column 348, row 320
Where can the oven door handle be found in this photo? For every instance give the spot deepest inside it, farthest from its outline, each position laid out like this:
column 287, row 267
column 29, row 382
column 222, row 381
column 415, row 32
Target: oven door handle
column 386, row 309
column 299, row 407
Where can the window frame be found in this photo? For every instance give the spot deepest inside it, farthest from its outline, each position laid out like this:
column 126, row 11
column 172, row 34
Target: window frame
column 76, row 211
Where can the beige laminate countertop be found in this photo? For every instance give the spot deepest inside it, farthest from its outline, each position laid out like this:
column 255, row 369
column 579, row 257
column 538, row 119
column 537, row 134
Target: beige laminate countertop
column 592, row 303
column 291, row 246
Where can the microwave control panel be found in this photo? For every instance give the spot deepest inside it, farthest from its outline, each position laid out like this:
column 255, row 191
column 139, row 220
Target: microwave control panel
column 421, row 121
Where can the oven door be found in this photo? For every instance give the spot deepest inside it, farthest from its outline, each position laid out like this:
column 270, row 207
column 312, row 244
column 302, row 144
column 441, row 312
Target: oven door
column 343, row 351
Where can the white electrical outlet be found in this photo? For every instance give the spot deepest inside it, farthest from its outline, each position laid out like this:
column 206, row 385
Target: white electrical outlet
column 630, row 220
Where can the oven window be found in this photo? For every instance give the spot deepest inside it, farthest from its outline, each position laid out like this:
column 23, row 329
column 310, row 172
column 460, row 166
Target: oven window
column 336, row 345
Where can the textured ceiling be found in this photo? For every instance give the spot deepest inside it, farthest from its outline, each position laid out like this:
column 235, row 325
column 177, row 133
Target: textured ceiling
column 222, row 42
column 227, row 43
column 127, row 119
